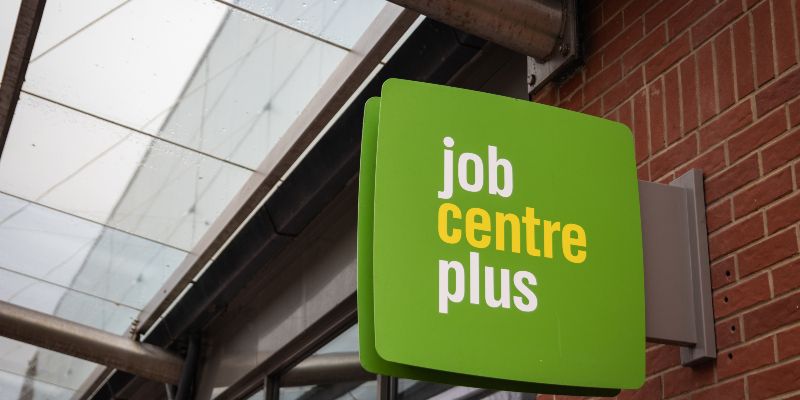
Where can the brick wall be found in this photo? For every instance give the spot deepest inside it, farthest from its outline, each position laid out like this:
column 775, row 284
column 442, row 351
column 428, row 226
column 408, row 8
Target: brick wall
column 714, row 85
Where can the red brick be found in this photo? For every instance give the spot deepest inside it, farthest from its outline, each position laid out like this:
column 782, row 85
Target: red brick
column 781, row 152
column 593, row 66
column 640, row 125
column 677, row 154
column 623, row 42
column 783, row 214
column 771, row 316
column 736, row 236
column 733, row 390
column 710, row 162
column 763, row 193
column 688, row 15
column 724, row 68
column 662, row 357
column 547, row 96
column 612, row 7
column 688, row 93
column 786, row 278
column 745, row 358
column 672, row 102
column 762, row 39
column 708, row 101
column 718, row 216
column 794, row 111
column 572, row 84
column 602, row 81
column 774, row 381
column 666, row 179
column 684, row 379
column 656, row 106
column 604, row 35
column 594, row 19
column 720, row 17
column 660, row 12
column 784, row 34
column 743, row 56
column 623, row 117
column 789, row 343
column 667, row 57
column 595, row 108
column 762, row 132
column 742, row 295
column 733, row 178
column 643, row 172
column 723, row 272
column 725, row 125
column 651, row 390
column 779, row 92
column 728, row 333
column 643, row 50
column 622, row 90
column 635, row 9
column 574, row 102
column 768, row 252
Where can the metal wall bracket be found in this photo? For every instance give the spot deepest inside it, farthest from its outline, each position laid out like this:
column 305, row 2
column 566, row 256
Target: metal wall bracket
column 678, row 307
column 565, row 54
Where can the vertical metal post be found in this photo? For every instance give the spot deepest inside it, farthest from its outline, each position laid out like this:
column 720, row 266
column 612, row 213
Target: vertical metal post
column 387, row 387
column 272, row 388
column 186, row 383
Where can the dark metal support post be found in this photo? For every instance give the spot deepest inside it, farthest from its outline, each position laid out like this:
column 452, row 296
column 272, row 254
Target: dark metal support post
column 387, row 387
column 28, row 19
column 88, row 343
column 676, row 267
column 186, row 384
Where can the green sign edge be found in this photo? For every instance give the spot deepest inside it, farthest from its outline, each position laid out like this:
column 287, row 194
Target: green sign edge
column 370, row 359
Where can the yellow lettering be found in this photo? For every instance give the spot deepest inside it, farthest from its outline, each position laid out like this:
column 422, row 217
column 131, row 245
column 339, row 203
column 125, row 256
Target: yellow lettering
column 579, row 241
column 473, row 224
column 444, row 234
column 531, row 222
column 549, row 229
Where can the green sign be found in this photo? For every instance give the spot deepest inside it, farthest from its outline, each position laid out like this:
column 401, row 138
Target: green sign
column 499, row 244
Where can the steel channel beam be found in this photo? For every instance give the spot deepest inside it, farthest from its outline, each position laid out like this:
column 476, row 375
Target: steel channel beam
column 64, row 336
column 530, row 27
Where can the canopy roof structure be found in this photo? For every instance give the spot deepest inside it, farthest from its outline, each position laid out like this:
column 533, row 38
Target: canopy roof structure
column 138, row 125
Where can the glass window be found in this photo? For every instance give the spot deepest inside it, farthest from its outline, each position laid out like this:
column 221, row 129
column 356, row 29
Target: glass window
column 329, row 373
column 408, row 389
column 8, row 19
column 138, row 122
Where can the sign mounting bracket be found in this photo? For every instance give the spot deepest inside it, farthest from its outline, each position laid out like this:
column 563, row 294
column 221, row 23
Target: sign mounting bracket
column 565, row 55
column 676, row 267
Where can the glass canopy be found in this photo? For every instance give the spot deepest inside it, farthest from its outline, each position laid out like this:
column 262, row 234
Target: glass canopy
column 138, row 122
